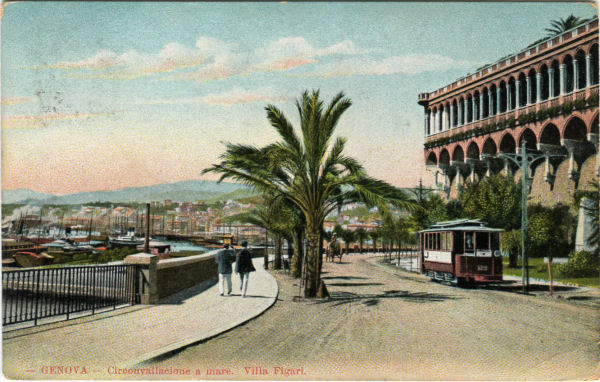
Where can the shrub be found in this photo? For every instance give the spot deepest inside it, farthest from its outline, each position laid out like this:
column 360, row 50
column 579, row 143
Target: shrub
column 511, row 243
column 580, row 264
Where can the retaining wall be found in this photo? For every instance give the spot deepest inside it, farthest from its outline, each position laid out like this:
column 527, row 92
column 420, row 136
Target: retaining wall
column 169, row 276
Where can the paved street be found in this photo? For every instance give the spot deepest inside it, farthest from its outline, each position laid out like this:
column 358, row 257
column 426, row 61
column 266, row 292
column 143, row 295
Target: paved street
column 382, row 322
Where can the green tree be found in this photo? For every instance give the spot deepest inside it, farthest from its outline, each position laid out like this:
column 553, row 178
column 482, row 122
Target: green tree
column 361, row 235
column 549, row 230
column 374, row 235
column 310, row 170
column 591, row 209
column 495, row 200
column 511, row 243
column 348, row 237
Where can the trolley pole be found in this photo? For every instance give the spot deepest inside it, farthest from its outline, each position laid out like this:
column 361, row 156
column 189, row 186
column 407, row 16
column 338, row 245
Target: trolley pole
column 524, row 260
column 527, row 160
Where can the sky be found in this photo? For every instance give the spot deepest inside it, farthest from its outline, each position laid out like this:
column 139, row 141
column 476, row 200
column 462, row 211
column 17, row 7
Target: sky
column 106, row 95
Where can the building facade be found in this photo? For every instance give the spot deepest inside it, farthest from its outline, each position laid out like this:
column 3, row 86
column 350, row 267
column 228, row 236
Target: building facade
column 545, row 96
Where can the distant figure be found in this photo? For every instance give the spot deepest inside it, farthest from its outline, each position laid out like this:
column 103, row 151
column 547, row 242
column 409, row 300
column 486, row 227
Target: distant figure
column 224, row 258
column 243, row 266
column 334, row 248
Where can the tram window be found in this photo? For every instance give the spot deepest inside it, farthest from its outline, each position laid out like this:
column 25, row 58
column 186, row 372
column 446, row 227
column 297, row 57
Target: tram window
column 458, row 242
column 495, row 241
column 444, row 241
column 448, row 241
column 438, row 241
column 482, row 240
column 468, row 241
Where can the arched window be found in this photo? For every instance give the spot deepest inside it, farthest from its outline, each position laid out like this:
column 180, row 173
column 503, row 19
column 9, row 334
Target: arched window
column 502, row 97
column 529, row 137
column 458, row 155
column 469, row 109
column 545, row 85
column 522, row 90
column 486, row 103
column 489, row 147
column 454, row 114
column 575, row 130
column 532, row 85
column 550, row 135
column 512, row 95
column 507, row 144
column 555, row 79
column 444, row 157
column 580, row 80
column 594, row 64
column 440, row 118
column 473, row 151
column 568, row 61
column 431, row 159
column 476, row 110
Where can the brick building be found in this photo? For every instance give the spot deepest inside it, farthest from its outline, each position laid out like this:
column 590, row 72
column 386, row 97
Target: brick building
column 545, row 95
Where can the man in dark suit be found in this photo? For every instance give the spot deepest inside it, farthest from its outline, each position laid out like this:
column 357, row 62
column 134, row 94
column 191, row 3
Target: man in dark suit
column 243, row 266
column 224, row 258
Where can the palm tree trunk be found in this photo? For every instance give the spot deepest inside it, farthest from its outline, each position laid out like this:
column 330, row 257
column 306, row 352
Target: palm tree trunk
column 266, row 255
column 296, row 266
column 278, row 243
column 312, row 263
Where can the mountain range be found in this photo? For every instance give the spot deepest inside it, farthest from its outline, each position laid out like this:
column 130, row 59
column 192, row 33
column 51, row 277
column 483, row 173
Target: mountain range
column 189, row 190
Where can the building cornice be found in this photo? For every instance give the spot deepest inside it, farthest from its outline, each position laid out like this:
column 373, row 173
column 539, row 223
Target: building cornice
column 514, row 63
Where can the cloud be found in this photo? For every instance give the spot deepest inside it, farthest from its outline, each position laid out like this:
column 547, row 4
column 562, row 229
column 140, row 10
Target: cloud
column 214, row 59
column 283, row 54
column 15, row 101
column 228, row 98
column 133, row 64
column 42, row 120
column 408, row 64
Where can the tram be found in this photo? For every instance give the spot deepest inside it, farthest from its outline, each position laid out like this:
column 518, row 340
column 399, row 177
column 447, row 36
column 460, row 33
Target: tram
column 461, row 252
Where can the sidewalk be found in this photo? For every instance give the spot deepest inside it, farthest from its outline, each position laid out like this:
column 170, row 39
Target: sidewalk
column 129, row 336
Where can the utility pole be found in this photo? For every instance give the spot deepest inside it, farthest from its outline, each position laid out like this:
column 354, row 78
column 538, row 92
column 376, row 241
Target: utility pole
column 526, row 160
column 147, row 239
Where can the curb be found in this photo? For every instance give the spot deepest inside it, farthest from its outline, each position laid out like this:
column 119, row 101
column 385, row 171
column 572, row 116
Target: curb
column 190, row 341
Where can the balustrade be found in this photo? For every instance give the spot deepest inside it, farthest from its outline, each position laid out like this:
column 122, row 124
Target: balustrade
column 514, row 114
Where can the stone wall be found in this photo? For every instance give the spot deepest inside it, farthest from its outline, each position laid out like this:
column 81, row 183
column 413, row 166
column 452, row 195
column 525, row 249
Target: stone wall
column 163, row 278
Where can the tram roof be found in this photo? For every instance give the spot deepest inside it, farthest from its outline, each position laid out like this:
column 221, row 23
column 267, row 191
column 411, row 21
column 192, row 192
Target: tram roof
column 461, row 225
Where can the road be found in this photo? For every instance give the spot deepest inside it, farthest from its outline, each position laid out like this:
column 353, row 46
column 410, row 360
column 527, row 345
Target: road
column 382, row 322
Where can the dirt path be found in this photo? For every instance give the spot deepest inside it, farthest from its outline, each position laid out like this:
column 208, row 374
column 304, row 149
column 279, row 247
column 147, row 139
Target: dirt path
column 385, row 323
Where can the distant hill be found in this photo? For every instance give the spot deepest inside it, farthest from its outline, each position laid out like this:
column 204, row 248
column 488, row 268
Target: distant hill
column 189, row 190
column 16, row 196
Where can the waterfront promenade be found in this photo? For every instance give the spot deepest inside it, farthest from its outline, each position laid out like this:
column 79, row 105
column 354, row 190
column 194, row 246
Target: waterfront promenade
column 95, row 347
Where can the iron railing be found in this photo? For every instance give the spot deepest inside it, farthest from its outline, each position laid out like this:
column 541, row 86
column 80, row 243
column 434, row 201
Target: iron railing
column 33, row 294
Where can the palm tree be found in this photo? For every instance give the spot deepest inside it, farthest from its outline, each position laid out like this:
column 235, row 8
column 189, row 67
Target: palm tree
column 375, row 234
column 268, row 218
column 361, row 236
column 348, row 237
column 310, row 170
column 563, row 25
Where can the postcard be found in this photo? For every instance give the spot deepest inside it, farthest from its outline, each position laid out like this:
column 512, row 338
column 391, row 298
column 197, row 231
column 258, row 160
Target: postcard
column 300, row 190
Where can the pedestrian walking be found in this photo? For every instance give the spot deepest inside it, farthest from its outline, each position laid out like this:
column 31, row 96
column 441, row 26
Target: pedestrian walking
column 243, row 266
column 224, row 258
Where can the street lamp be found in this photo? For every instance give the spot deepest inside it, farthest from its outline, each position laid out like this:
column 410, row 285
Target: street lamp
column 526, row 159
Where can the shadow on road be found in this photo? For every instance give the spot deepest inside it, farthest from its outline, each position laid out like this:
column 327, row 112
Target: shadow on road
column 345, row 278
column 353, row 284
column 512, row 286
column 370, row 299
column 180, row 297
